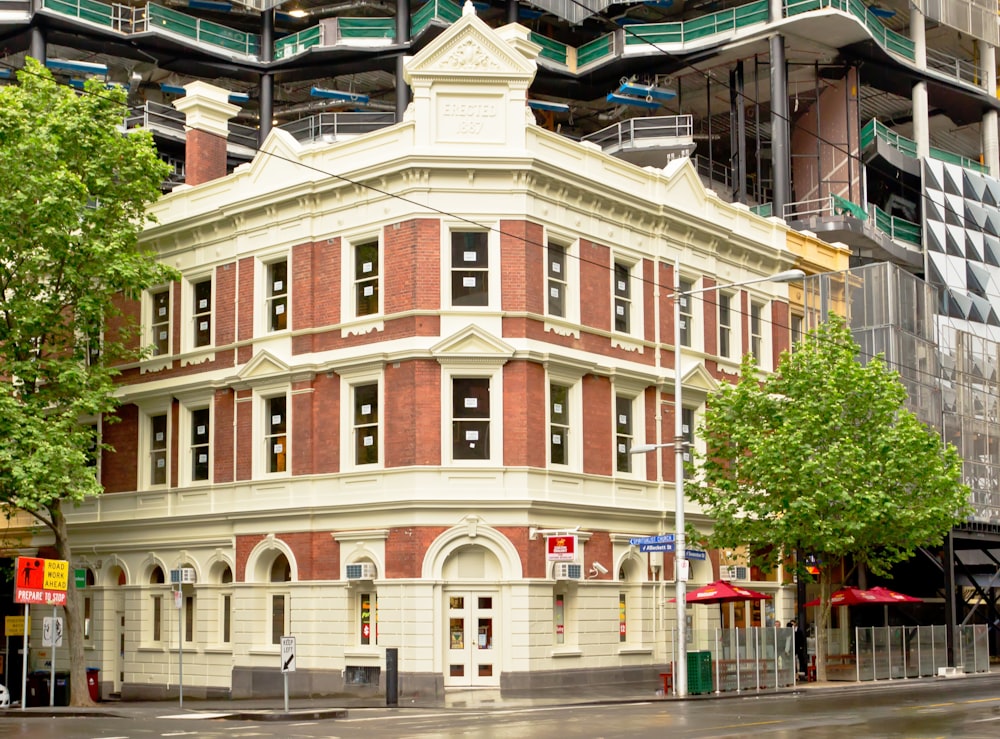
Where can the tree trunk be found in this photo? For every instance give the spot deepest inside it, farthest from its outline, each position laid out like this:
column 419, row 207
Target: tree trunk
column 822, row 622
column 73, row 613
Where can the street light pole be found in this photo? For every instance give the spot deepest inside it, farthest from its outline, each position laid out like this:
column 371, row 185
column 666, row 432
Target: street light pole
column 680, row 545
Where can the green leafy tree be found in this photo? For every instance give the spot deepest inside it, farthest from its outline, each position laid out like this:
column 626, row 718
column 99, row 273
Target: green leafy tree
column 73, row 201
column 823, row 457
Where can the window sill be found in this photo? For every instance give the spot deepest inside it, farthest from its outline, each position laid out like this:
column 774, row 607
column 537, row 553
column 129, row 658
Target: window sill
column 566, row 652
column 362, row 652
column 361, row 326
column 219, row 649
column 153, row 648
column 634, row 650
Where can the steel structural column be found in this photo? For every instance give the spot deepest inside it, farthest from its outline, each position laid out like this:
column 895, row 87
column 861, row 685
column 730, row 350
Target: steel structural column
column 780, row 167
column 402, row 37
column 266, row 101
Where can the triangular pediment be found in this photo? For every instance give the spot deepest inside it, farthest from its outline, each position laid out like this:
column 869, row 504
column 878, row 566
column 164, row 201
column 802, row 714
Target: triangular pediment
column 278, row 160
column 696, row 377
column 472, row 342
column 263, row 364
column 469, row 49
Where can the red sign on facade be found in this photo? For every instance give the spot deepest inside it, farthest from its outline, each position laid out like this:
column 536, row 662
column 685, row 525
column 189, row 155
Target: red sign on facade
column 560, row 548
column 41, row 581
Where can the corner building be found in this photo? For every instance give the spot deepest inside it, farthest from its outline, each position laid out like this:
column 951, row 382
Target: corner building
column 393, row 364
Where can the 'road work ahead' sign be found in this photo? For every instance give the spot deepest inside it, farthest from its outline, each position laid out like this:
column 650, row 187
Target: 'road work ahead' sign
column 41, row 581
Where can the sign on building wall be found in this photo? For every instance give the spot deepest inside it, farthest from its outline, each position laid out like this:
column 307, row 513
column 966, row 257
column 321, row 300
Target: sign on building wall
column 561, row 548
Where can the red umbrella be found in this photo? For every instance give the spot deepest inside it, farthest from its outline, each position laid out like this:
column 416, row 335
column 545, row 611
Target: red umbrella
column 891, row 596
column 849, row 596
column 723, row 591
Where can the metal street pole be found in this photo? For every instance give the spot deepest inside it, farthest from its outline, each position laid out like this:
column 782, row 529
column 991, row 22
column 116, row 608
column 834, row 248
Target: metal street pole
column 680, row 556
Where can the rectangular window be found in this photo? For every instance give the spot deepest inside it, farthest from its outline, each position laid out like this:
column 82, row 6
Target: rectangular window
column 366, row 424
column 227, row 619
column 202, row 313
column 277, row 295
column 277, row 618
column 623, row 433
column 200, row 437
column 623, row 298
column 558, row 424
column 469, row 268
column 470, row 418
column 157, row 617
column 276, row 433
column 559, row 617
column 189, row 618
column 368, row 618
column 88, row 614
column 687, row 431
column 622, row 619
column 159, row 326
column 366, row 279
column 756, row 330
column 725, row 324
column 158, row 450
column 796, row 328
column 687, row 315
column 556, row 280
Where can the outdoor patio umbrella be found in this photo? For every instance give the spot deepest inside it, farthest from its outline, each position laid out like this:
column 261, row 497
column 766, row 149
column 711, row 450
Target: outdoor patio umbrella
column 723, row 591
column 850, row 596
column 891, row 596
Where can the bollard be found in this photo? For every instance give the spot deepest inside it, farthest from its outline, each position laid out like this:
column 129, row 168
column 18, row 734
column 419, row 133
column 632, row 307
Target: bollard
column 392, row 676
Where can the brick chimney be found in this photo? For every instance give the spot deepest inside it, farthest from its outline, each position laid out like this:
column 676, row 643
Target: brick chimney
column 208, row 111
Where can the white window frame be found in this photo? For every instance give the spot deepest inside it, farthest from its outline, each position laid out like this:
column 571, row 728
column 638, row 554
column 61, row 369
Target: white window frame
column 491, row 271
column 756, row 328
column 353, row 322
column 192, row 314
column 730, row 329
column 286, row 617
column 574, row 398
column 569, row 323
column 349, row 381
column 687, row 314
column 495, row 377
column 146, row 415
column 150, row 328
column 637, row 462
column 264, row 290
column 222, row 617
column 186, row 466
column 635, row 298
column 262, row 427
column 372, row 592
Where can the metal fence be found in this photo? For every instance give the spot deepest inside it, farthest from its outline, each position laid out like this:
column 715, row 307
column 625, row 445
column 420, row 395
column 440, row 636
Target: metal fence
column 739, row 660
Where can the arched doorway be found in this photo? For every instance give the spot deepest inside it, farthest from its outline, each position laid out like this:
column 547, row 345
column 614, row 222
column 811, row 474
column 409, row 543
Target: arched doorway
column 472, row 647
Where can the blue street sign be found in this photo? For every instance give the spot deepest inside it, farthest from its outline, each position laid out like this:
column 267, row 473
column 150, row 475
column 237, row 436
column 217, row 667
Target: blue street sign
column 661, row 539
column 667, row 547
column 695, row 554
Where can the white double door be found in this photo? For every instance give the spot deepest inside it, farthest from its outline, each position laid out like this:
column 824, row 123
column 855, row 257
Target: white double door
column 472, row 651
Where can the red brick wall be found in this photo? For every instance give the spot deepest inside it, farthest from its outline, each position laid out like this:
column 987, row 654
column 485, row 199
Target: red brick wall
column 176, row 443
column 244, row 434
column 648, row 300
column 781, row 339
column 649, row 399
column 665, row 277
column 710, row 315
column 412, row 418
column 524, row 413
column 205, row 157
column 598, row 439
column 244, row 319
column 224, row 289
column 222, row 435
column 522, row 254
column 120, row 465
column 599, row 549
column 595, row 286
column 302, row 428
column 326, row 423
column 315, row 277
column 316, row 554
column 413, row 248
column 405, row 549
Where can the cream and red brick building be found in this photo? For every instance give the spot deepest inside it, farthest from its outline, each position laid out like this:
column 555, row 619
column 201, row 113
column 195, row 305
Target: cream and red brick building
column 395, row 362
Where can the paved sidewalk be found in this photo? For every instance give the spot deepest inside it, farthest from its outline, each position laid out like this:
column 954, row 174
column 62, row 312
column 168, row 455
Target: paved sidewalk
column 272, row 709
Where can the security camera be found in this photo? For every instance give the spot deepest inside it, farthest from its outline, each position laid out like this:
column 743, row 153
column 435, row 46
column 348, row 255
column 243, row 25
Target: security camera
column 601, row 569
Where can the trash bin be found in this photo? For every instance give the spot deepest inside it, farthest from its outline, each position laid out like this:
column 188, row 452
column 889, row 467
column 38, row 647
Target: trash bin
column 61, row 696
column 699, row 672
column 38, row 689
column 94, row 683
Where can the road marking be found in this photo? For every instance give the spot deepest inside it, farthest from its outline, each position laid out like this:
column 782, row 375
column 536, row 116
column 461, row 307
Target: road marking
column 178, row 733
column 929, row 705
column 740, row 726
column 977, row 700
column 304, row 723
column 197, row 715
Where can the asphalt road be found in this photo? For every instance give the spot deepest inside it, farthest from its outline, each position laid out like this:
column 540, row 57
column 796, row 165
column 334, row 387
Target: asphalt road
column 967, row 709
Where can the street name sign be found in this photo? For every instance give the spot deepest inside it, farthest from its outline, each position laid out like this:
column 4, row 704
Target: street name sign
column 661, row 539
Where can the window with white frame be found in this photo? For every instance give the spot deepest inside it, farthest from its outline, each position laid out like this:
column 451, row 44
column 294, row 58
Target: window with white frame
column 276, row 433
column 158, row 449
column 201, row 438
column 622, row 298
column 470, row 268
column 559, row 618
column 277, row 295
column 470, row 418
column 367, row 276
column 366, row 423
column 796, row 327
column 278, row 617
column 159, row 322
column 624, row 422
column 559, row 422
column 226, row 608
column 687, row 431
column 725, row 301
column 201, row 312
column 757, row 331
column 556, row 280
column 622, row 617
column 189, row 619
column 686, row 312
column 367, row 619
